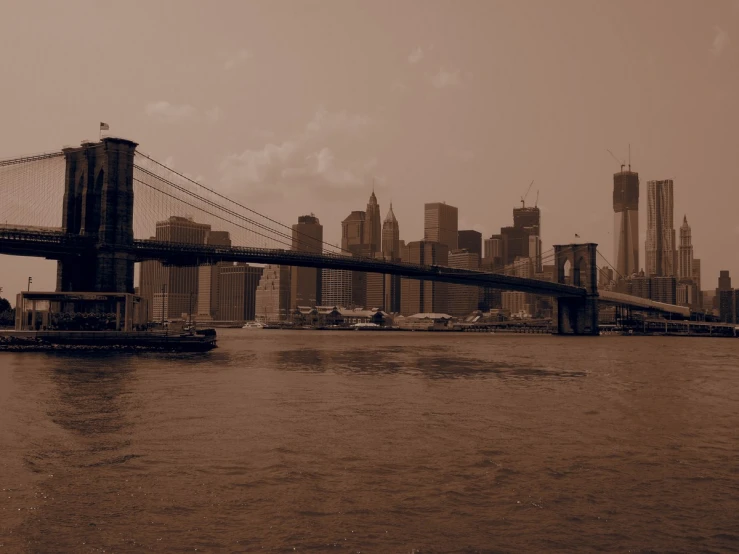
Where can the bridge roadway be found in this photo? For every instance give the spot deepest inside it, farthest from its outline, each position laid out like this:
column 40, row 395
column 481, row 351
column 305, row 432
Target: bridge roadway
column 55, row 244
column 621, row 299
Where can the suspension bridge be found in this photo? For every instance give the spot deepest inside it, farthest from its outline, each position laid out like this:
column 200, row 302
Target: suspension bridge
column 94, row 209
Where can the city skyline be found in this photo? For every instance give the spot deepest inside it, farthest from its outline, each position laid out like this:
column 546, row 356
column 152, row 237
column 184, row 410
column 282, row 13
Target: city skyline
column 439, row 124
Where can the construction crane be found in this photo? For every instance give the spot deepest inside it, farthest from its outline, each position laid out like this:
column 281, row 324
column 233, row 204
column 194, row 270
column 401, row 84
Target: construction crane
column 617, row 160
column 537, row 199
column 523, row 198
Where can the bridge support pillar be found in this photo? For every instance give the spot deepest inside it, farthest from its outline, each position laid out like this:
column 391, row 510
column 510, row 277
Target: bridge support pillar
column 98, row 203
column 575, row 264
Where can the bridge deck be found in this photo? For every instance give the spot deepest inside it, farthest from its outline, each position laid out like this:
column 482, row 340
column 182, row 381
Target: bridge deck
column 54, row 244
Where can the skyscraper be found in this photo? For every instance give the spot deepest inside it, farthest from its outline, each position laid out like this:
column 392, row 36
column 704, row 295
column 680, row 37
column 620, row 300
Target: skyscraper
column 272, row 303
column 237, row 291
column 685, row 255
column 494, row 252
column 527, row 218
column 391, row 236
column 424, row 296
column 208, row 278
column 361, row 235
column 305, row 282
column 440, row 224
column 463, row 299
column 383, row 291
column 517, row 239
column 172, row 291
column 626, row 222
column 336, row 288
column 471, row 241
column 372, row 233
column 660, row 251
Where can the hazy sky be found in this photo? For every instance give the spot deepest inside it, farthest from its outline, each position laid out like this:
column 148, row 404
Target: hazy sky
column 296, row 106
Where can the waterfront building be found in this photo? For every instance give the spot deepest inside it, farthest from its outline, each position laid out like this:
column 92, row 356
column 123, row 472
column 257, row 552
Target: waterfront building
column 336, row 287
column 626, row 222
column 272, row 297
column 660, row 245
column 440, row 224
column 305, row 282
column 418, row 295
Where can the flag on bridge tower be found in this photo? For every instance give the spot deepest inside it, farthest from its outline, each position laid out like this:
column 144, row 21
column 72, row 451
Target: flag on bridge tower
column 104, row 126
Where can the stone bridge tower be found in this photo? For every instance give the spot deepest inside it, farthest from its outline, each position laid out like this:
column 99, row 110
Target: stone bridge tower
column 575, row 264
column 98, row 205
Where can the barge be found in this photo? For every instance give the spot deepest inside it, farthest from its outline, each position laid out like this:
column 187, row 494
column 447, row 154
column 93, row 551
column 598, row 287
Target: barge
column 201, row 340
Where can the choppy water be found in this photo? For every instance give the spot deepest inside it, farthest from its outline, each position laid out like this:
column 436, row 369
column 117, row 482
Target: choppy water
column 375, row 442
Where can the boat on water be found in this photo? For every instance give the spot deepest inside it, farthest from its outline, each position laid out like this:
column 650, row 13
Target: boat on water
column 253, row 325
column 200, row 340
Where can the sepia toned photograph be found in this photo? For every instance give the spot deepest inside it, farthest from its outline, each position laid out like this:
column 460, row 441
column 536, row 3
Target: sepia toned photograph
column 369, row 276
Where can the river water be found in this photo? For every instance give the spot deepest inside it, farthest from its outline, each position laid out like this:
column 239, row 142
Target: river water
column 284, row 441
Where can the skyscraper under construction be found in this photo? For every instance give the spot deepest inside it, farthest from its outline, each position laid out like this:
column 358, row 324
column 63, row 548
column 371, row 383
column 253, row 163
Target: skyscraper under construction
column 626, row 222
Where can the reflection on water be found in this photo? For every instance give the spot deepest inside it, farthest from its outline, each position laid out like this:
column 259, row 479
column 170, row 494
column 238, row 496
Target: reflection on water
column 377, row 442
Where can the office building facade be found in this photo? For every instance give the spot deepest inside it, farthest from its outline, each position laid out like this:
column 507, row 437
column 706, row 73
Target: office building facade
column 237, row 289
column 440, row 224
column 171, row 292
column 417, row 296
column 463, row 299
column 305, row 282
column 660, row 245
column 272, row 297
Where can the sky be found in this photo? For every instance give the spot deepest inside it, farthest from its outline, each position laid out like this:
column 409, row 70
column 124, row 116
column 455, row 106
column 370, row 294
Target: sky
column 298, row 107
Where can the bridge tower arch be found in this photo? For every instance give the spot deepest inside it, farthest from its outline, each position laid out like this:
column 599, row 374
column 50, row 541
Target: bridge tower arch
column 98, row 205
column 577, row 316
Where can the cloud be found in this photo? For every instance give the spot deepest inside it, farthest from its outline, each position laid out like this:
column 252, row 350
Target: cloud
column 446, row 78
column 320, row 156
column 720, row 41
column 400, row 86
column 415, row 56
column 237, row 59
column 173, row 113
column 214, row 115
column 170, row 113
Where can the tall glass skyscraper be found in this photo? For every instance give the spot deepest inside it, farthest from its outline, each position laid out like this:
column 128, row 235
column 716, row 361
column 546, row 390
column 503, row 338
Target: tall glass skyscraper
column 626, row 222
column 660, row 229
